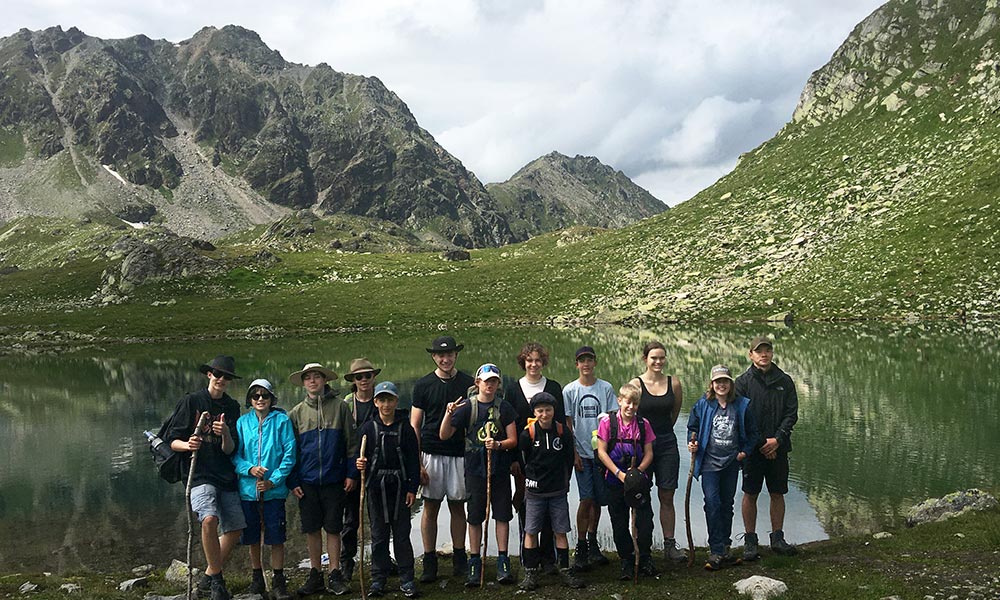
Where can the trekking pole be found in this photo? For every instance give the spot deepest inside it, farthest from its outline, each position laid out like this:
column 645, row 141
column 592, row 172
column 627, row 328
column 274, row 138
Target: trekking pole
column 486, row 523
column 361, row 524
column 202, row 420
column 687, row 508
column 260, row 495
column 635, row 541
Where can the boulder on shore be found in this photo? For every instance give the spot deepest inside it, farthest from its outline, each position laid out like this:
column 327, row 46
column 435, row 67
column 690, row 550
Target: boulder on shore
column 760, row 588
column 952, row 505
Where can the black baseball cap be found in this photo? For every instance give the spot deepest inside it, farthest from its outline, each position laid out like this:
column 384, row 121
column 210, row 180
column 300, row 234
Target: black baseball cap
column 584, row 351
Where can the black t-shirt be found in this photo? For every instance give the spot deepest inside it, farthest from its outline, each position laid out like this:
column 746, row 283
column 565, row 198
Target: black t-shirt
column 472, row 436
column 432, row 395
column 213, row 466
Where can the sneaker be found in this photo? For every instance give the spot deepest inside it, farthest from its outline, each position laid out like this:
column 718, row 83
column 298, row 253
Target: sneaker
column 257, row 584
column 377, row 588
column 313, row 584
column 780, row 546
column 594, row 552
column 570, row 579
column 335, row 583
column 204, row 587
column 347, row 568
column 646, row 567
column 751, row 551
column 672, row 553
column 714, row 562
column 504, row 574
column 581, row 558
column 430, row 568
column 475, row 571
column 459, row 563
column 219, row 591
column 279, row 587
column 409, row 589
column 530, row 581
column 627, row 571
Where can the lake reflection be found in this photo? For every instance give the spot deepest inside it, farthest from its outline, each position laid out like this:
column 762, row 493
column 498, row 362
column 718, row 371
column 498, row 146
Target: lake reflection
column 888, row 416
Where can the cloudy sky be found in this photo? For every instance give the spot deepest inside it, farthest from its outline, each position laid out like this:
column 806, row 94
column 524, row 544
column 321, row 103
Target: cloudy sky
column 668, row 91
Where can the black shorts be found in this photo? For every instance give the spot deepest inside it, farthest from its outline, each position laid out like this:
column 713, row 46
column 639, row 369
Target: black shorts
column 322, row 506
column 666, row 463
column 502, row 508
column 757, row 470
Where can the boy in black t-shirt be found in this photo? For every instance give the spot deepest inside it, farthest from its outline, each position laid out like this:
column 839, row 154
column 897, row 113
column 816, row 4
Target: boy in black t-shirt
column 546, row 450
column 487, row 422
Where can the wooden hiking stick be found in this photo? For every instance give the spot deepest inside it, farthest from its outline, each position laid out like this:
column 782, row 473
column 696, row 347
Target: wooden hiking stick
column 361, row 524
column 260, row 495
column 635, row 536
column 687, row 508
column 486, row 523
column 202, row 420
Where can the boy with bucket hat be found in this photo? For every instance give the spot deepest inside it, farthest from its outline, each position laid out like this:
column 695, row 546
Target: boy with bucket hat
column 264, row 458
column 214, row 495
column 326, row 439
column 361, row 378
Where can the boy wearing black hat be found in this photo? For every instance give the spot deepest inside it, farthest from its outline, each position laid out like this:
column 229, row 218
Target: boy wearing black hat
column 214, row 491
column 546, row 449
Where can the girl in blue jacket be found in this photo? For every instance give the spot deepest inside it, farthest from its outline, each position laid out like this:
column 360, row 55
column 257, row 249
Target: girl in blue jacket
column 264, row 458
column 721, row 433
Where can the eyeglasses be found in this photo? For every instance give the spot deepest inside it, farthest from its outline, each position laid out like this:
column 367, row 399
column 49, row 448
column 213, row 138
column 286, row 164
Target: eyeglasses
column 221, row 375
column 261, row 395
column 365, row 376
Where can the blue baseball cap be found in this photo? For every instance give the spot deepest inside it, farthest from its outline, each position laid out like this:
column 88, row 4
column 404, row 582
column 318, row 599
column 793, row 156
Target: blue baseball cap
column 386, row 387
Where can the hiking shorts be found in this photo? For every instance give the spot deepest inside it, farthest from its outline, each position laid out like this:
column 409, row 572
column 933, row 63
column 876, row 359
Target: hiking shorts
column 501, row 507
column 446, row 477
column 540, row 511
column 666, row 463
column 209, row 501
column 274, row 522
column 322, row 507
column 757, row 470
column 590, row 482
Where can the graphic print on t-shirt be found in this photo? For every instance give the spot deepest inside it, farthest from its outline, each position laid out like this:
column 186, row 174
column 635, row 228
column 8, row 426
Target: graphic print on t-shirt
column 723, row 425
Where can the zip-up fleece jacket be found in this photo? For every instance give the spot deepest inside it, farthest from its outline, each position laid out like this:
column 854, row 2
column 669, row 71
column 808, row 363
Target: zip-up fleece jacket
column 326, row 439
column 700, row 422
column 548, row 460
column 774, row 403
column 270, row 444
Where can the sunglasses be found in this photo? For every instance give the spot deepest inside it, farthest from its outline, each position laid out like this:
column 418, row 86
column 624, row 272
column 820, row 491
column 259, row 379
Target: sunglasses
column 221, row 375
column 262, row 395
column 362, row 376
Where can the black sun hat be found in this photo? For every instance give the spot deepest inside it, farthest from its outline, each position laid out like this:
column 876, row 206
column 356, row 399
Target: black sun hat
column 223, row 364
column 445, row 343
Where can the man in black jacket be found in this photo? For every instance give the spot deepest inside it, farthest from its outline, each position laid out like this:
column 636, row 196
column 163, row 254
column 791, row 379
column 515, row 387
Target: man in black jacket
column 775, row 407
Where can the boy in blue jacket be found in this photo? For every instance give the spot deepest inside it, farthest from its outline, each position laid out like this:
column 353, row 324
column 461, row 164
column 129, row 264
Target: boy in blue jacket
column 721, row 434
column 264, row 458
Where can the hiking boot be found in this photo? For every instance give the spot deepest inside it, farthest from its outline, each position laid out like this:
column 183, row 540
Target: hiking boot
column 204, row 587
column 549, row 568
column 504, row 574
column 729, row 559
column 570, row 579
column 581, row 558
column 459, row 563
column 219, row 591
column 377, row 588
column 347, row 568
column 780, row 546
column 430, row 568
column 530, row 581
column 751, row 551
column 594, row 552
column 627, row 570
column 257, row 584
column 714, row 562
column 672, row 553
column 279, row 587
column 335, row 583
column 646, row 567
column 475, row 570
column 313, row 584
column 409, row 589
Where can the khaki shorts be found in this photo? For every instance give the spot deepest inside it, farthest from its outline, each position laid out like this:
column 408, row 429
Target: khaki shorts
column 446, row 477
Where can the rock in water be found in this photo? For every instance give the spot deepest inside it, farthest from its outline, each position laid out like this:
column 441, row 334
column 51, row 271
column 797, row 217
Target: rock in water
column 760, row 588
column 952, row 505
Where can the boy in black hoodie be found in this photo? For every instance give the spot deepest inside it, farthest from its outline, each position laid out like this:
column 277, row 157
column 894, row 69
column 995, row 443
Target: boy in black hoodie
column 392, row 459
column 546, row 448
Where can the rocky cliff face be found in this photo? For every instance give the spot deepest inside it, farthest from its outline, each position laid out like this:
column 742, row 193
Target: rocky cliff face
column 556, row 191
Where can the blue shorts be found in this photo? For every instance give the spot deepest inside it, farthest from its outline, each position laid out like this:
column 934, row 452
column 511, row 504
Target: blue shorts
column 590, row 482
column 208, row 501
column 274, row 522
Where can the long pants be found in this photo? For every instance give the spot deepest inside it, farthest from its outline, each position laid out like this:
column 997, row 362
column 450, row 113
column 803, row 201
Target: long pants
column 349, row 534
column 622, row 529
column 719, row 488
column 398, row 526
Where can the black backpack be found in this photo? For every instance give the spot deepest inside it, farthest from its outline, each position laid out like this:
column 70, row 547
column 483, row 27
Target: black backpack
column 171, row 466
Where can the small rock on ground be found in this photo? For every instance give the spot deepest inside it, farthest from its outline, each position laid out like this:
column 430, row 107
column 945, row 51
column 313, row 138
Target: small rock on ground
column 760, row 588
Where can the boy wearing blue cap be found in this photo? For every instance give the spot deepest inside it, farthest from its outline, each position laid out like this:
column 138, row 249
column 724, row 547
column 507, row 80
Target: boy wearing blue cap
column 264, row 458
column 392, row 464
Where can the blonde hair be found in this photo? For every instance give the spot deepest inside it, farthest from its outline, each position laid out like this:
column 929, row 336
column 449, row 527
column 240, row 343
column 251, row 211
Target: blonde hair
column 629, row 391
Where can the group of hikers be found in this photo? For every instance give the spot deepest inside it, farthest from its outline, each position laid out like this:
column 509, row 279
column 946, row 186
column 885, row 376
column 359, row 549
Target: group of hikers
column 490, row 447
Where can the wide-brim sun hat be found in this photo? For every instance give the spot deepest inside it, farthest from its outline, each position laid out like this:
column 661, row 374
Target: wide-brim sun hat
column 296, row 377
column 361, row 365
column 445, row 343
column 223, row 364
column 261, row 383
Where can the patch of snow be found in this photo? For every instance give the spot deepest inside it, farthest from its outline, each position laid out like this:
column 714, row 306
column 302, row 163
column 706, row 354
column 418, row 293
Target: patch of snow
column 139, row 225
column 114, row 174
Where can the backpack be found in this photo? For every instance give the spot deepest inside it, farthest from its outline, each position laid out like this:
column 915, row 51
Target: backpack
column 493, row 417
column 171, row 466
column 531, row 428
column 636, row 486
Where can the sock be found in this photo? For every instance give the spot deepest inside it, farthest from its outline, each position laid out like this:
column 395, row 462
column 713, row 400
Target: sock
column 259, row 571
column 531, row 558
column 501, row 553
column 563, row 557
column 430, row 553
column 279, row 572
column 592, row 537
column 474, row 555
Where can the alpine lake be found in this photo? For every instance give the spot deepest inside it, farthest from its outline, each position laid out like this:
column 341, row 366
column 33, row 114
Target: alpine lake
column 889, row 415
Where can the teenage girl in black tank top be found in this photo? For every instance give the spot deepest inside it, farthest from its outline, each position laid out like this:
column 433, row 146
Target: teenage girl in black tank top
column 659, row 410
